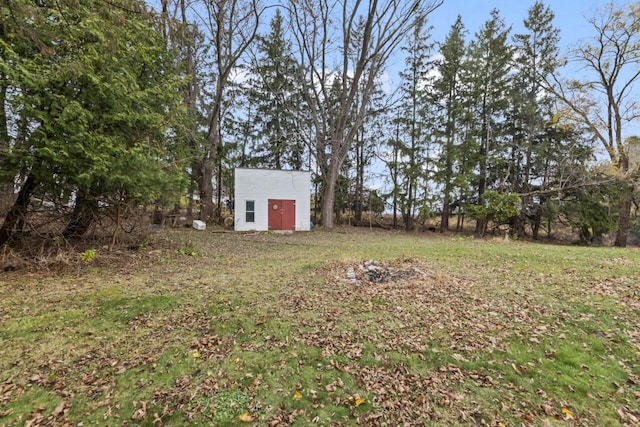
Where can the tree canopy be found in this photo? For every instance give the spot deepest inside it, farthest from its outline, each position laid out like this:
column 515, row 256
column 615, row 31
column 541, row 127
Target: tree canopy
column 90, row 92
column 106, row 106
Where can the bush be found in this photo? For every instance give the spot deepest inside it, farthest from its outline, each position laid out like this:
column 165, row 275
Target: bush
column 501, row 208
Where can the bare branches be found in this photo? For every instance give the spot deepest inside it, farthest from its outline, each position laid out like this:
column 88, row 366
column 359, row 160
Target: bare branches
column 232, row 26
column 606, row 98
column 343, row 48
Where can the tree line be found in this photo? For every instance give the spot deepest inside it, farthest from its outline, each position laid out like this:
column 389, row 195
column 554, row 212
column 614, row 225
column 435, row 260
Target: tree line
column 107, row 106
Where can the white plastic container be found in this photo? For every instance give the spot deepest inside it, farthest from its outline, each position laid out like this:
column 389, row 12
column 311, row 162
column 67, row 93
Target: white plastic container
column 199, row 225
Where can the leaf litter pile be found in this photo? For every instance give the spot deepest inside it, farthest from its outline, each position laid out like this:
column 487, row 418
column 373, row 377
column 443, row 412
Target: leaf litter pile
column 343, row 343
column 453, row 323
column 425, row 314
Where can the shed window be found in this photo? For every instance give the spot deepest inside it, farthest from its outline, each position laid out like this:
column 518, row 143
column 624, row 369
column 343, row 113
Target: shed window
column 250, row 211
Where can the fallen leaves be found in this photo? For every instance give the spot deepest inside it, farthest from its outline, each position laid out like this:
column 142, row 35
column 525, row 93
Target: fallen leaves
column 628, row 416
column 284, row 417
column 58, row 416
column 10, row 390
column 567, row 414
column 246, row 417
column 140, row 413
column 369, row 338
column 419, row 304
column 334, row 385
column 359, row 401
column 547, row 408
column 402, row 396
column 459, row 357
column 61, row 409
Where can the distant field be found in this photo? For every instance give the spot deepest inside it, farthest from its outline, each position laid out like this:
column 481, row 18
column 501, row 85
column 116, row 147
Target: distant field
column 266, row 329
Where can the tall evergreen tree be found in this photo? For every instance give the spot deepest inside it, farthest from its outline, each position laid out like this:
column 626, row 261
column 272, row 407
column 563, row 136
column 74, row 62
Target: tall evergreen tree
column 275, row 96
column 415, row 126
column 537, row 57
column 448, row 96
column 94, row 87
column 364, row 149
column 491, row 57
column 389, row 154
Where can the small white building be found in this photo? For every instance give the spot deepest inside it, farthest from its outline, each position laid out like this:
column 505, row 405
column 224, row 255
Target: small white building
column 267, row 199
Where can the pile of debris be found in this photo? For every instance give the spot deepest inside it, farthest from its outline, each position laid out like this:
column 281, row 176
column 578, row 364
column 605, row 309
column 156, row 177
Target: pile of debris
column 372, row 271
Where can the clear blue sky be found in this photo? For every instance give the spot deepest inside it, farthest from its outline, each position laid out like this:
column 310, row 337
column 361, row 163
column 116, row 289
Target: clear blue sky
column 570, row 16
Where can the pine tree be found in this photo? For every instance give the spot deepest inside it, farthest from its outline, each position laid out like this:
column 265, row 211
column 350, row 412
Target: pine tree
column 490, row 57
column 364, row 149
column 277, row 102
column 449, row 96
column 537, row 57
column 413, row 120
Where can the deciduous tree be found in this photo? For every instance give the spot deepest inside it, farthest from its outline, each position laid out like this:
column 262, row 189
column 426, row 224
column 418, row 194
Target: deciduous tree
column 604, row 94
column 231, row 27
column 351, row 40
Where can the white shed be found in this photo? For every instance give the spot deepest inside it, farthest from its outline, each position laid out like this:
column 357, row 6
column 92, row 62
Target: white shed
column 267, row 199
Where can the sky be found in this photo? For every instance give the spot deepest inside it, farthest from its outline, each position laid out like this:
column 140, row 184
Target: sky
column 570, row 16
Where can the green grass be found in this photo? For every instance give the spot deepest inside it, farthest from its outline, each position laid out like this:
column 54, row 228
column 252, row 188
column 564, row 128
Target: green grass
column 264, row 326
column 124, row 309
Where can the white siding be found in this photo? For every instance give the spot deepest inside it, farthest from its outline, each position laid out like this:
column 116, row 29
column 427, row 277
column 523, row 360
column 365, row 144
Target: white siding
column 260, row 185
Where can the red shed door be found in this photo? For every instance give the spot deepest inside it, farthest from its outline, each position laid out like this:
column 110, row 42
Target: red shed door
column 282, row 214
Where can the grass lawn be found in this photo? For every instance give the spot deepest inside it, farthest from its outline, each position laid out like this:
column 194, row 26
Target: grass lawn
column 266, row 329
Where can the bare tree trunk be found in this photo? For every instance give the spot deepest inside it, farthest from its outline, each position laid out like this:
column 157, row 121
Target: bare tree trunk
column 18, row 211
column 367, row 37
column 481, row 225
column 446, row 212
column 520, row 222
column 407, row 214
column 116, row 228
column 206, row 190
column 329, row 183
column 233, row 25
column 218, row 210
column 359, row 190
column 81, row 217
column 7, row 195
column 6, row 188
column 624, row 213
column 460, row 222
column 535, row 229
column 192, row 188
column 535, row 225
